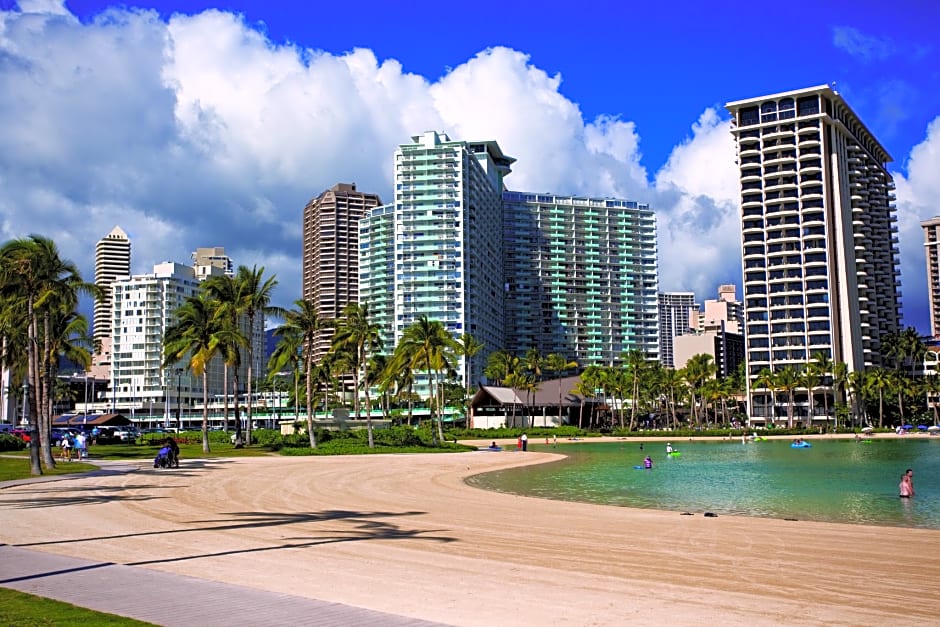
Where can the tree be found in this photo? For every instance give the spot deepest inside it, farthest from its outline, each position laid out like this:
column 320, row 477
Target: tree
column 824, row 368
column 360, row 336
column 34, row 275
column 877, row 381
column 699, row 369
column 467, row 347
column 556, row 363
column 255, row 293
column 788, row 379
column 765, row 380
column 500, row 365
column 302, row 326
column 426, row 345
column 840, row 377
column 195, row 337
column 584, row 391
column 226, row 292
column 636, row 364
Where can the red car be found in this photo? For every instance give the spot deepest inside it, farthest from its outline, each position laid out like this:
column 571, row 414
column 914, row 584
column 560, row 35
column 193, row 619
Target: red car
column 22, row 434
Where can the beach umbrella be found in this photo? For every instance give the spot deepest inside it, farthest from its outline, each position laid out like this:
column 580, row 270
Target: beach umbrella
column 933, row 428
column 867, row 429
column 908, row 427
column 922, row 427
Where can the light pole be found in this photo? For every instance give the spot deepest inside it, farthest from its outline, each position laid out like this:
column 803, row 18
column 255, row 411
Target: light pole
column 179, row 398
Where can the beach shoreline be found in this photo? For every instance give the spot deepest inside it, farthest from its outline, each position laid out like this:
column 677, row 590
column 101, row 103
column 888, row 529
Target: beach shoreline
column 405, row 534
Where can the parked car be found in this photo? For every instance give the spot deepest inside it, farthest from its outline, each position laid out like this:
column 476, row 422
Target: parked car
column 126, row 434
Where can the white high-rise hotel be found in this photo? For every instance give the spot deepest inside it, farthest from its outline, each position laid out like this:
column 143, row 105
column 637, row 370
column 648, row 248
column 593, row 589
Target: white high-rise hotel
column 441, row 241
column 820, row 247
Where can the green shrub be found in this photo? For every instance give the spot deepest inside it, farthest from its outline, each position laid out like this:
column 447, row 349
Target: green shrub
column 10, row 442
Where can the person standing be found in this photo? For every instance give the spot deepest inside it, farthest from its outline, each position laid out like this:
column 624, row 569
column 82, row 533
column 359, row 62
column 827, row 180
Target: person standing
column 906, row 487
column 669, row 448
column 81, row 446
column 525, row 442
column 648, row 463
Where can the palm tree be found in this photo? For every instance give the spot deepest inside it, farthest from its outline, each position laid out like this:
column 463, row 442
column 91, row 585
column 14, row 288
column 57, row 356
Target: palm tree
column 811, row 380
column 788, row 379
column 356, row 333
column 195, row 337
column 303, row 325
column 877, row 380
column 32, row 270
column 857, row 384
column 765, row 380
column 840, row 377
column 255, row 293
column 287, row 352
column 584, row 391
column 699, row 369
column 425, row 345
column 823, row 367
column 467, row 347
column 557, row 364
column 226, row 291
column 932, row 390
column 500, row 365
column 636, row 364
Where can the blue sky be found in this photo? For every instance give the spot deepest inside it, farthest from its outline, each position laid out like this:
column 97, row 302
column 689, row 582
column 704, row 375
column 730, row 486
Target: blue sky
column 197, row 124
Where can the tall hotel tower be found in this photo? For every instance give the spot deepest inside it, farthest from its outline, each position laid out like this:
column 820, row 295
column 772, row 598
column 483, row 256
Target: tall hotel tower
column 437, row 250
column 112, row 260
column 931, row 229
column 820, row 246
column 675, row 318
column 580, row 277
column 331, row 249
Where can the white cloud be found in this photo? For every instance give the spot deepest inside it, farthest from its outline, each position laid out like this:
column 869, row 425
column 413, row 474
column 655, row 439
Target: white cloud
column 862, row 46
column 202, row 132
column 917, row 201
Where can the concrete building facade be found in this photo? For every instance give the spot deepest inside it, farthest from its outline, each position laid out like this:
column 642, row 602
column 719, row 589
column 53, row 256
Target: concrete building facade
column 675, row 311
column 931, row 229
column 581, row 277
column 819, row 237
column 331, row 250
column 112, row 260
column 446, row 251
column 143, row 307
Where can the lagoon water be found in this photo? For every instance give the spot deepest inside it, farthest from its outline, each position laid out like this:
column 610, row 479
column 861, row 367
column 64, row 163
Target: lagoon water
column 835, row 480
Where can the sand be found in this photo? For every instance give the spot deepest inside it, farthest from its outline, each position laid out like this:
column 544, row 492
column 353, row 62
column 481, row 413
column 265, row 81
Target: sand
column 404, row 534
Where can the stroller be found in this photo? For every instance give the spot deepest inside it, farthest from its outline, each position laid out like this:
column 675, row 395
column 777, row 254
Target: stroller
column 163, row 458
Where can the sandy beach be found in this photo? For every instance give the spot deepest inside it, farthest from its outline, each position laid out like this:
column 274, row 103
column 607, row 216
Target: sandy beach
column 404, row 534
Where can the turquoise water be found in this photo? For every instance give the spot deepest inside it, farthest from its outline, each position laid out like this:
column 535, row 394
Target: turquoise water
column 835, row 480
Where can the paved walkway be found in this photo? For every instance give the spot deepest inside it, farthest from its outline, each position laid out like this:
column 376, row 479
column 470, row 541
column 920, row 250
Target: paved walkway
column 163, row 598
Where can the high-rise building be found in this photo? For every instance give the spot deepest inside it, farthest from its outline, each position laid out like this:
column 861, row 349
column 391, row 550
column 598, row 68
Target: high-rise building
column 143, row 307
column 675, row 311
column 580, row 277
column 211, row 261
column 932, row 254
column 447, row 247
column 726, row 308
column 819, row 240
column 112, row 260
column 330, row 252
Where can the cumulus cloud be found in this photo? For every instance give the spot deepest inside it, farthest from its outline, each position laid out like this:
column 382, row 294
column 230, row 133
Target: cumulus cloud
column 200, row 131
column 917, row 195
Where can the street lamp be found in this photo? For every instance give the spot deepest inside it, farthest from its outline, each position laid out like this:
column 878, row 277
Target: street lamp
column 179, row 398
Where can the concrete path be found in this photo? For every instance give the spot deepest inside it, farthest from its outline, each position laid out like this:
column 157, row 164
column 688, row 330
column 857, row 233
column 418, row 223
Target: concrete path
column 165, row 599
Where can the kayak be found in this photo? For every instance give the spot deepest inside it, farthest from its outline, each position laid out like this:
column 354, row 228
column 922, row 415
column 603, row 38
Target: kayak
column 800, row 445
column 673, row 454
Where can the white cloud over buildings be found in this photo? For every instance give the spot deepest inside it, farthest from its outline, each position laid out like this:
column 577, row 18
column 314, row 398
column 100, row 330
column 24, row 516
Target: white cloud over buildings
column 202, row 132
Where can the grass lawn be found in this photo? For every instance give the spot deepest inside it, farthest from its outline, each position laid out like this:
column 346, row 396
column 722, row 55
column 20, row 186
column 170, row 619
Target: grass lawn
column 18, row 468
column 19, row 608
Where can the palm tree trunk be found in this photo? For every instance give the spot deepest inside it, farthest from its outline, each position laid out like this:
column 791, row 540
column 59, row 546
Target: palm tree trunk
column 35, row 466
column 225, row 397
column 309, row 385
column 205, row 410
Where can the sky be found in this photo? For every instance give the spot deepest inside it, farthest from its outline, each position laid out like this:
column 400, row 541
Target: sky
column 194, row 124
